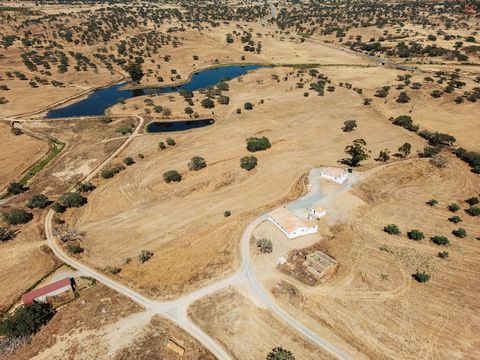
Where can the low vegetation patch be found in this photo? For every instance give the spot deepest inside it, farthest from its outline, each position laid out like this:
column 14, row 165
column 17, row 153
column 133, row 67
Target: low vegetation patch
column 391, row 229
column 172, row 175
column 145, row 255
column 264, row 245
column 248, row 162
column 258, row 144
column 17, row 216
column 26, row 320
column 421, row 277
column 6, row 234
column 440, row 240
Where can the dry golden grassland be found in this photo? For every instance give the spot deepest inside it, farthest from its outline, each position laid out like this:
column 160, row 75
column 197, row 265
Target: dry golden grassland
column 183, row 223
column 373, row 303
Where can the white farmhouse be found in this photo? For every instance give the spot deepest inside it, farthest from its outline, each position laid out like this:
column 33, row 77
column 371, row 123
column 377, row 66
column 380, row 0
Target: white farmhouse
column 339, row 175
column 291, row 225
column 316, row 213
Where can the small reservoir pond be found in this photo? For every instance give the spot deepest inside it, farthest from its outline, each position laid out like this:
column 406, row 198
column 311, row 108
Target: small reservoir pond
column 97, row 102
column 169, row 126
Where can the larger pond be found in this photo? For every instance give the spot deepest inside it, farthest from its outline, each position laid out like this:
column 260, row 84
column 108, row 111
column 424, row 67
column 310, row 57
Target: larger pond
column 98, row 101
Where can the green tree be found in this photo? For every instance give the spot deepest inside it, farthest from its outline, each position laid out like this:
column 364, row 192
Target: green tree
column 405, row 150
column 16, row 188
column 391, row 229
column 128, row 161
column 258, row 144
column 85, row 187
column 473, row 211
column 421, row 277
column 74, row 248
column 440, row 240
column 72, row 199
column 443, row 254
column 162, row 145
column 170, row 141
column 26, row 320
column 279, row 353
column 58, row 208
column 416, row 235
column 248, row 106
column 403, row 98
column 145, row 255
column 455, row 219
column 383, row 156
column 349, row 125
column 432, row 202
column 135, row 71
column 453, row 207
column 472, row 201
column 248, row 162
column 460, row 232
column 188, row 110
column 208, row 103
column 38, row 201
column 172, row 175
column 6, row 234
column 197, row 163
column 357, row 151
column 17, row 216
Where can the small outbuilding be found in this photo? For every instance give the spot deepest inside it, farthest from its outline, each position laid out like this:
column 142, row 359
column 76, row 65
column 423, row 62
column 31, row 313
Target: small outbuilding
column 316, row 213
column 291, row 225
column 320, row 264
column 43, row 293
column 339, row 175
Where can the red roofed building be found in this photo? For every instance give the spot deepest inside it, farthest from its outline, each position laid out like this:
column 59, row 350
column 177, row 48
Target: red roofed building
column 51, row 289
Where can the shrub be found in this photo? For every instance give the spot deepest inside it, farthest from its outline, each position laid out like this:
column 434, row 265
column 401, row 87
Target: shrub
column 440, row 240
column 264, row 245
column 258, row 144
column 85, row 187
column 239, row 111
column 162, row 145
column 455, row 219
column 227, row 213
column 141, row 156
column 421, row 277
column 453, row 207
column 349, row 125
column 248, row 106
column 17, row 216
column 128, row 161
column 208, row 103
column 279, row 353
column 124, row 130
column 26, row 320
column 16, row 131
column 58, row 208
column 145, row 255
column 383, row 156
column 188, row 110
column 432, row 202
column 248, row 162
column 472, row 201
column 72, row 199
column 430, row 151
column 403, row 98
column 6, row 234
column 114, row 270
column 197, row 163
column 16, row 188
column 38, row 201
column 473, row 211
column 391, row 229
column 415, row 235
column 172, row 175
column 74, row 248
column 460, row 232
column 405, row 150
column 170, row 142
column 443, row 254
column 406, row 122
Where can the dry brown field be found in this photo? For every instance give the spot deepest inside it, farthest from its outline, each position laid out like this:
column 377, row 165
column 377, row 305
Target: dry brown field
column 18, row 154
column 247, row 331
column 373, row 303
column 305, row 132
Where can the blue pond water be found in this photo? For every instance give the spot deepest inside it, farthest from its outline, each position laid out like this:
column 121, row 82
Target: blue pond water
column 97, row 102
column 168, row 126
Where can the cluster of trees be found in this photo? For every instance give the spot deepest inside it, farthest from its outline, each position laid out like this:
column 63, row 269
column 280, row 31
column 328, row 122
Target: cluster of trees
column 26, row 320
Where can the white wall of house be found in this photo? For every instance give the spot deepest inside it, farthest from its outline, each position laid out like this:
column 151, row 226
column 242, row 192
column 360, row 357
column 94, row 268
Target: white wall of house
column 301, row 231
